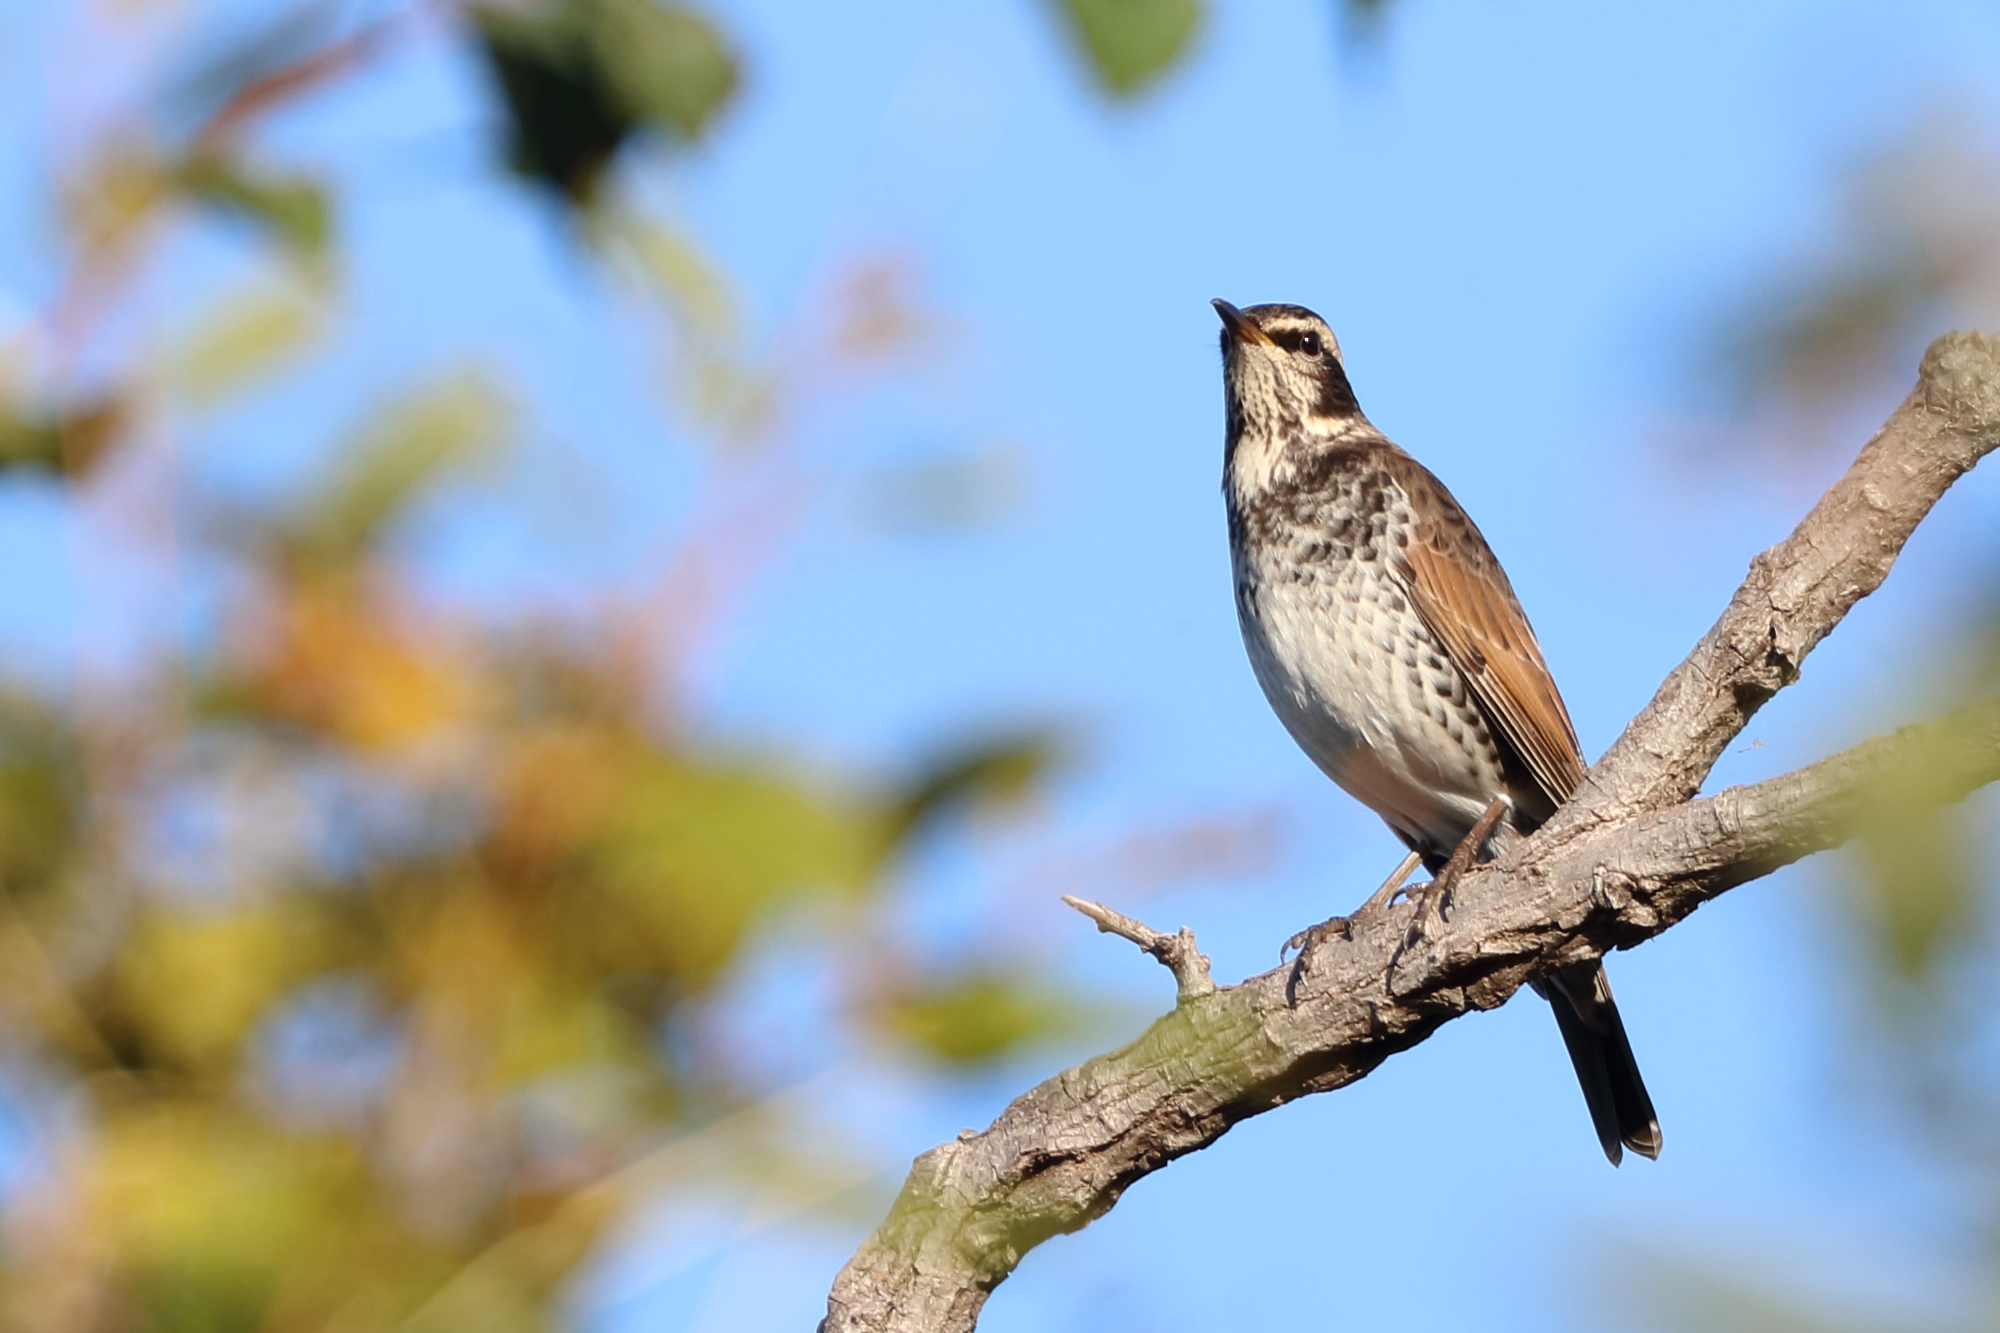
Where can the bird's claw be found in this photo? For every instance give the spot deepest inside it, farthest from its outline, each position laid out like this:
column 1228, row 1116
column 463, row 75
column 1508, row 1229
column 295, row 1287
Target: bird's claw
column 1310, row 938
column 1431, row 901
column 1307, row 942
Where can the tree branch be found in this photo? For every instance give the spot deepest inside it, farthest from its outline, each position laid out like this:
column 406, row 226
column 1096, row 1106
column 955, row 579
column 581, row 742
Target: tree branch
column 1624, row 861
column 1177, row 953
column 1798, row 590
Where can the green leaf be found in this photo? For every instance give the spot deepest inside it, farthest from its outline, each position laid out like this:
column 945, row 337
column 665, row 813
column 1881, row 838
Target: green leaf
column 1132, row 42
column 564, row 121
column 412, row 442
column 31, row 442
column 41, row 797
column 979, row 1015
column 1917, row 886
column 579, row 76
column 666, row 64
column 292, row 208
column 694, row 855
column 210, row 1211
column 70, row 443
column 244, row 337
column 674, row 265
column 990, row 774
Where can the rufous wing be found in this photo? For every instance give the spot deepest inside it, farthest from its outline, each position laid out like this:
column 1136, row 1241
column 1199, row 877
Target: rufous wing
column 1466, row 602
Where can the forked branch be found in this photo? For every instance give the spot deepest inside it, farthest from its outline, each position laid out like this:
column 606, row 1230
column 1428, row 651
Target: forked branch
column 1177, row 953
column 1796, row 592
column 1623, row 862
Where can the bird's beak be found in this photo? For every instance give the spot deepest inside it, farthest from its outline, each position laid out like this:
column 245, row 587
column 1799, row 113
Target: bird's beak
column 1240, row 325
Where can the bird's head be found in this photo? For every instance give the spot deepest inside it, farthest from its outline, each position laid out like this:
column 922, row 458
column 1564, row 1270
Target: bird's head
column 1282, row 368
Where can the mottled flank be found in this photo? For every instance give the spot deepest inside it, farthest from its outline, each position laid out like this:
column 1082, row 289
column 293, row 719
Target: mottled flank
column 1344, row 656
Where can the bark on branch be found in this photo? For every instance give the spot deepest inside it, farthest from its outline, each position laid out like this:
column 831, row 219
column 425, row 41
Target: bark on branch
column 1627, row 859
column 1797, row 591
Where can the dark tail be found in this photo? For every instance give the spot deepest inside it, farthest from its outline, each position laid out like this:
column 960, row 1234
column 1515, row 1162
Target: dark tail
column 1595, row 1035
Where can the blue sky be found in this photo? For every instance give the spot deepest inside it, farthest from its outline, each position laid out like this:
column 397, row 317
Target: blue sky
column 1515, row 216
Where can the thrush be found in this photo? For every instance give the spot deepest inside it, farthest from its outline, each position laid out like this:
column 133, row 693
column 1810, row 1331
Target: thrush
column 1392, row 647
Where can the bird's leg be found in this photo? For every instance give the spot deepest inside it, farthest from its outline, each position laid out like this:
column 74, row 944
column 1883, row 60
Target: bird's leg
column 1309, row 939
column 1344, row 925
column 1433, row 898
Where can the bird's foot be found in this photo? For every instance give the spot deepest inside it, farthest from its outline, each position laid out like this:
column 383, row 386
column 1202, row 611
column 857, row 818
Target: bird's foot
column 1433, row 900
column 1414, row 953
column 1307, row 941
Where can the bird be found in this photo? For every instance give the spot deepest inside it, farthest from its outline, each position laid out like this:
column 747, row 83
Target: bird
column 1390, row 644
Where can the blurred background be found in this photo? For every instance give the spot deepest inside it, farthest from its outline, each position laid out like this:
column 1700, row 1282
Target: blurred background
column 576, row 578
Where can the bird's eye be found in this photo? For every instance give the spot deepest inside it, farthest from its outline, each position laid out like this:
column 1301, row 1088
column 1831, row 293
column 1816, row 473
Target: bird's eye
column 1309, row 344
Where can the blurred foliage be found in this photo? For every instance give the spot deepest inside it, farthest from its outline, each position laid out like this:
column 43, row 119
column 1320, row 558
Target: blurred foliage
column 976, row 1017
column 293, row 209
column 1916, row 249
column 993, row 774
column 1924, row 912
column 409, row 445
column 359, row 958
column 1817, row 354
column 1131, row 43
column 956, row 492
column 1364, row 18
column 1916, row 881
column 579, row 77
column 1691, row 1300
column 69, row 443
column 243, row 339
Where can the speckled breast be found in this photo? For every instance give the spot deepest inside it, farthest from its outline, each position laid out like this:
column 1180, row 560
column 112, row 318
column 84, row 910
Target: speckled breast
column 1347, row 663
